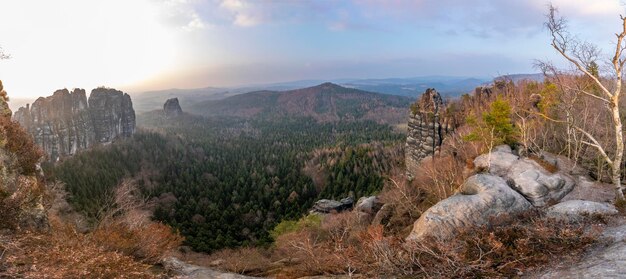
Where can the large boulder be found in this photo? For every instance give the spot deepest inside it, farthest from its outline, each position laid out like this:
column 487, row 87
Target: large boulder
column 573, row 209
column 480, row 198
column 369, row 205
column 526, row 176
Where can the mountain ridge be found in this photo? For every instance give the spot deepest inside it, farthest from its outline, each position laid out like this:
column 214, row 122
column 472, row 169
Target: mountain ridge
column 323, row 102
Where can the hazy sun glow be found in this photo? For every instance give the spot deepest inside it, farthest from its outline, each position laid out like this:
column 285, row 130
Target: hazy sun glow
column 78, row 43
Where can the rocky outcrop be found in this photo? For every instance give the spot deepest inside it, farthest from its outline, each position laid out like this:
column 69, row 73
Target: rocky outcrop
column 480, row 198
column 526, row 176
column 506, row 184
column 427, row 127
column 66, row 122
column 329, row 206
column 172, row 108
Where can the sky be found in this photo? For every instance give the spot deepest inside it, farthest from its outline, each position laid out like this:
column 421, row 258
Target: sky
column 142, row 45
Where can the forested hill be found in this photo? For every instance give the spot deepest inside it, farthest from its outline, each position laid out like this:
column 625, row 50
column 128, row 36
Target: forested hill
column 324, row 102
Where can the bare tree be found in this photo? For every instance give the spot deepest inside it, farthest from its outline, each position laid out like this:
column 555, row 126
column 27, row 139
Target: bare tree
column 583, row 56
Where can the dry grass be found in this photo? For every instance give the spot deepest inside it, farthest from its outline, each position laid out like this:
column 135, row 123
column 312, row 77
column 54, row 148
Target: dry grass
column 149, row 243
column 509, row 247
column 544, row 164
column 65, row 254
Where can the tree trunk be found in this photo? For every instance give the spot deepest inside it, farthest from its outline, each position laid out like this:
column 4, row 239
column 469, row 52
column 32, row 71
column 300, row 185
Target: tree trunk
column 619, row 150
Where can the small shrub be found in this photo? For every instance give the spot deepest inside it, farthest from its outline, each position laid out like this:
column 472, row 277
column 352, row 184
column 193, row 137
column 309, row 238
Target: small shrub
column 21, row 144
column 288, row 226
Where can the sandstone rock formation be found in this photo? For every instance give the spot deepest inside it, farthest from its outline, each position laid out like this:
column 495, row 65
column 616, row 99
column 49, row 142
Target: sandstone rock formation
column 427, row 128
column 328, row 206
column 481, row 197
column 573, row 209
column 112, row 113
column 526, row 176
column 67, row 122
column 172, row 108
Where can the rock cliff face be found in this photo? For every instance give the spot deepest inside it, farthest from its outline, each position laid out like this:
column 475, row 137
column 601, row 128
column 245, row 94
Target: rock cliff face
column 172, row 108
column 112, row 113
column 427, row 128
column 67, row 122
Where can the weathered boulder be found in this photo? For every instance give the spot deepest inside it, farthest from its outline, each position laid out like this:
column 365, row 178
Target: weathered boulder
column 497, row 162
column 172, row 108
column 369, row 205
column 480, row 198
column 328, row 206
column 526, row 176
column 573, row 209
column 66, row 122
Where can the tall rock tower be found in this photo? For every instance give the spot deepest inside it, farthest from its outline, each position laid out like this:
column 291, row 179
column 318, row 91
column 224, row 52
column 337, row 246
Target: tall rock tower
column 427, row 128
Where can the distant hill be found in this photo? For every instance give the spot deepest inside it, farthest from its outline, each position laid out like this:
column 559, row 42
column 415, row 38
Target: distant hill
column 324, row 102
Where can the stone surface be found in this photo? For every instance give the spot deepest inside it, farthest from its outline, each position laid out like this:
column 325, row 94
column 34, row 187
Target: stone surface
column 369, row 205
column 366, row 208
column 480, row 198
column 589, row 190
column 66, row 122
column 575, row 208
column 112, row 113
column 185, row 270
column 328, row 206
column 526, row 176
column 606, row 261
column 427, row 128
column 172, row 108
